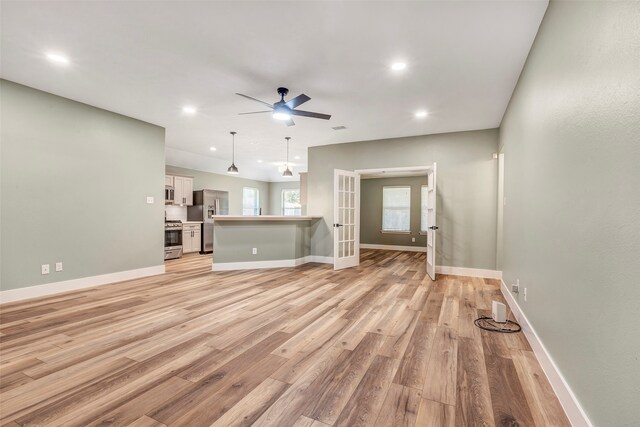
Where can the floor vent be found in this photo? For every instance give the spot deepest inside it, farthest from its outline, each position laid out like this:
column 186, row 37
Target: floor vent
column 339, row 128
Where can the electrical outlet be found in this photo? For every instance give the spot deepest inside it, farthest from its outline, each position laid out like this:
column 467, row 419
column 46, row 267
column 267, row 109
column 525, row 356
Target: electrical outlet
column 150, row 200
column 58, row 266
column 255, row 251
column 525, row 294
column 45, row 268
column 413, row 239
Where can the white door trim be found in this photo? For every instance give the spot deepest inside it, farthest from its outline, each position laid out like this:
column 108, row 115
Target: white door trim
column 416, row 169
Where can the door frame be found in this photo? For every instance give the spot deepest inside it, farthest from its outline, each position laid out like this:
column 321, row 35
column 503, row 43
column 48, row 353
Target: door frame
column 418, row 170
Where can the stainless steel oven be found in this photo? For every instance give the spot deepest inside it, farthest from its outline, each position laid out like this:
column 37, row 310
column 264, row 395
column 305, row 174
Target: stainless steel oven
column 172, row 239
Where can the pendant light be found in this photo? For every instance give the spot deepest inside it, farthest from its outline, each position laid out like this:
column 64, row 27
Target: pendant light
column 233, row 170
column 287, row 172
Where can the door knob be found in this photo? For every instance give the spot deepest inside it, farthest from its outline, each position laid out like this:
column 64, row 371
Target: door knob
column 338, row 225
column 433, row 227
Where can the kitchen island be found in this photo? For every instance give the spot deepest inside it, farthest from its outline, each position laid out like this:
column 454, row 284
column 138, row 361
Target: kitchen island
column 265, row 241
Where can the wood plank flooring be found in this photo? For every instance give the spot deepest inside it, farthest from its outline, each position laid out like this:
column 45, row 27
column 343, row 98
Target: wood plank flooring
column 379, row 345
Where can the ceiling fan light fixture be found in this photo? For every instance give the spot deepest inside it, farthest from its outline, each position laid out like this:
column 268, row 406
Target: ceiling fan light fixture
column 281, row 113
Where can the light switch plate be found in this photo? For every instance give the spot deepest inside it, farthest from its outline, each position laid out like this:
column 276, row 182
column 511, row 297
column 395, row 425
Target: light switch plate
column 45, row 268
column 58, row 266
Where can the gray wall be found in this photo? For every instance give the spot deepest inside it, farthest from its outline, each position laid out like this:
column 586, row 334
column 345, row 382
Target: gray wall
column 275, row 190
column 232, row 184
column 74, row 184
column 467, row 186
column 371, row 212
column 571, row 138
column 233, row 241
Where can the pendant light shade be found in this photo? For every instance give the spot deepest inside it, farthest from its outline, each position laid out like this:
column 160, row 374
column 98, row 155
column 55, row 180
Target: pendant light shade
column 233, row 170
column 287, row 172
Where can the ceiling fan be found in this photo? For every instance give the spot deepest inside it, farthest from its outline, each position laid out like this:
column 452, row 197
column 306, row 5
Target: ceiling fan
column 283, row 110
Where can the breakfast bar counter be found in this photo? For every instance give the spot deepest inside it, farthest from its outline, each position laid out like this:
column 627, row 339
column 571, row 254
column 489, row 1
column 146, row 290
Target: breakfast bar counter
column 264, row 218
column 265, row 241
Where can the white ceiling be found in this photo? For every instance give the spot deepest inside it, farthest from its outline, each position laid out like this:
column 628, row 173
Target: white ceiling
column 148, row 59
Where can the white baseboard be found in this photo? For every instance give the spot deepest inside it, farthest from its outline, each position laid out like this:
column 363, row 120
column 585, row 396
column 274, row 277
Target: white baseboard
column 441, row 269
column 393, row 247
column 280, row 263
column 568, row 400
column 320, row 259
column 75, row 284
column 469, row 272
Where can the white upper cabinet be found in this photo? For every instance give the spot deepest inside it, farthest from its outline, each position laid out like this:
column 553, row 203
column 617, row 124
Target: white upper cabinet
column 168, row 180
column 183, row 190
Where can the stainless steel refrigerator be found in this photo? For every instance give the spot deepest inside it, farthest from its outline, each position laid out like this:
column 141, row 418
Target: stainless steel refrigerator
column 207, row 203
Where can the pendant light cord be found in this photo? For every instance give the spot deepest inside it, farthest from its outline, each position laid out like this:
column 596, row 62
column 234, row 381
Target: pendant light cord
column 287, row 138
column 233, row 148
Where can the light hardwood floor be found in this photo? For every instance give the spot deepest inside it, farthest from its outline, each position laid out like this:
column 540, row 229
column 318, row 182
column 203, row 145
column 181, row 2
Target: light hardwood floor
column 379, row 345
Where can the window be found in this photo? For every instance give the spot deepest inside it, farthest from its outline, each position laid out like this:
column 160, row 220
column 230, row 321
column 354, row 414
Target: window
column 424, row 200
column 250, row 201
column 291, row 202
column 396, row 207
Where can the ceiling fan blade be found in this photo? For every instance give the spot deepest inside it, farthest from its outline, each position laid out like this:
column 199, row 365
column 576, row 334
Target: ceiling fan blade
column 289, row 122
column 256, row 112
column 310, row 114
column 298, row 100
column 254, row 99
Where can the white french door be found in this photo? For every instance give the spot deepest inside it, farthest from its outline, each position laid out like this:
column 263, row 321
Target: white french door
column 346, row 219
column 431, row 222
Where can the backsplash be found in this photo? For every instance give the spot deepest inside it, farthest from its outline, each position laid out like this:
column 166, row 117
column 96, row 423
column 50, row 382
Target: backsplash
column 176, row 212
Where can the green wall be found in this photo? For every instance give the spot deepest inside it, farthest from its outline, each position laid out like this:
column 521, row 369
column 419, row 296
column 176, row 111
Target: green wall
column 232, row 184
column 371, row 212
column 233, row 241
column 467, row 187
column 275, row 190
column 74, row 183
column 571, row 139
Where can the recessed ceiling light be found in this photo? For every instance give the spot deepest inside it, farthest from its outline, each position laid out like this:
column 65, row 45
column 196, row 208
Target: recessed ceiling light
column 297, row 157
column 259, row 161
column 398, row 66
column 187, row 109
column 212, row 148
column 57, row 58
column 421, row 114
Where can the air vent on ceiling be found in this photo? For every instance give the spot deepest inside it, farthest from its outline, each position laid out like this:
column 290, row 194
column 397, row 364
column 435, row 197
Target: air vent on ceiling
column 339, row 127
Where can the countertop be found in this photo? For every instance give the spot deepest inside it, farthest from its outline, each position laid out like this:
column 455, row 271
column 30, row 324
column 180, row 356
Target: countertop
column 192, row 222
column 264, row 218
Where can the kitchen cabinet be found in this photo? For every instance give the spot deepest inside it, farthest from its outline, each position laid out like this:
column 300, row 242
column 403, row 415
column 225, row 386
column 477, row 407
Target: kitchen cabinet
column 191, row 238
column 168, row 180
column 183, row 190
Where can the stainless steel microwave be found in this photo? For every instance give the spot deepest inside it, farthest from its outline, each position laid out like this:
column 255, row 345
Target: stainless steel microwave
column 169, row 194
